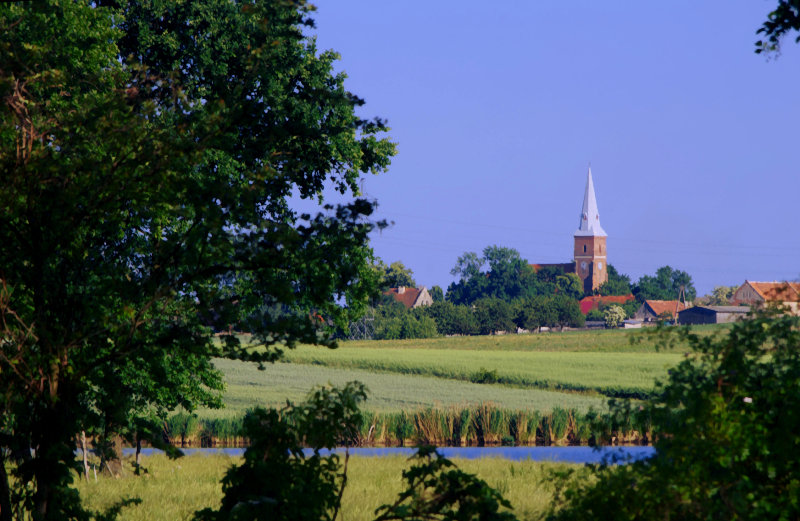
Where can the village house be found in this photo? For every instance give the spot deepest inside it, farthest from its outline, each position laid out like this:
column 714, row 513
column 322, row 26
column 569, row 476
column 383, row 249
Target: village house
column 411, row 297
column 595, row 301
column 655, row 310
column 759, row 294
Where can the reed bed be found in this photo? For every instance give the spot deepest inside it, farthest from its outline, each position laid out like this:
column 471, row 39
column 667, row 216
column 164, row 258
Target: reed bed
column 478, row 425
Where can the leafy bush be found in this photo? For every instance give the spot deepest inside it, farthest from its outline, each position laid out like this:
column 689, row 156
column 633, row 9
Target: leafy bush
column 278, row 480
column 725, row 430
column 437, row 490
column 484, row 376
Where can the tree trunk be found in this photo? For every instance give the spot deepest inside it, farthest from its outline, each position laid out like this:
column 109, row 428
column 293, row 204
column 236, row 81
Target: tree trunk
column 5, row 492
column 85, row 459
column 138, row 452
column 113, row 465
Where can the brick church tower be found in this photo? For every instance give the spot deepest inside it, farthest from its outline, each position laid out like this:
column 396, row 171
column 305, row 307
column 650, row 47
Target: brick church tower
column 590, row 242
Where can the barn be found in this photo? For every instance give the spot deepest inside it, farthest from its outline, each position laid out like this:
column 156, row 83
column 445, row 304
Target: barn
column 712, row 314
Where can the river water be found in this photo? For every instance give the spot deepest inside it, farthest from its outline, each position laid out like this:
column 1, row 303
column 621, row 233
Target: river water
column 556, row 454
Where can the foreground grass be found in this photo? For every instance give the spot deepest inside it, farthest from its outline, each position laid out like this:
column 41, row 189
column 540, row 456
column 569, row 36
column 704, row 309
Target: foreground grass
column 247, row 387
column 174, row 490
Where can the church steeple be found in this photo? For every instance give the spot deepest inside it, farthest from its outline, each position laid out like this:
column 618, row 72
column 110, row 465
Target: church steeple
column 590, row 242
column 590, row 218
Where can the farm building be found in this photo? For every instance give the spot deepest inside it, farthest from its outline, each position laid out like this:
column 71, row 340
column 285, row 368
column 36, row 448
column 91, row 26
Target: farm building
column 763, row 293
column 411, row 297
column 595, row 301
column 712, row 314
column 653, row 310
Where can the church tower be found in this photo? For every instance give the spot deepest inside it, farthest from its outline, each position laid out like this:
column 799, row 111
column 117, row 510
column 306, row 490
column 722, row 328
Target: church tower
column 590, row 242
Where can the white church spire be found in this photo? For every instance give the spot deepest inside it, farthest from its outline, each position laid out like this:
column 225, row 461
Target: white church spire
column 590, row 217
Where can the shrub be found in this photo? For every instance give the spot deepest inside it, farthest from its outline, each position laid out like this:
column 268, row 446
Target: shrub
column 725, row 430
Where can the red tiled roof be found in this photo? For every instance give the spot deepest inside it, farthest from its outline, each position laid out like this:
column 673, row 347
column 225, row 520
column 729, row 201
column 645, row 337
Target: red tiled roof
column 665, row 306
column 407, row 297
column 777, row 291
column 589, row 303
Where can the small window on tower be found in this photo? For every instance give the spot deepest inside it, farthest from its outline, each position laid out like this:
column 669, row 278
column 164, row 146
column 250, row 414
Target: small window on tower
column 584, row 248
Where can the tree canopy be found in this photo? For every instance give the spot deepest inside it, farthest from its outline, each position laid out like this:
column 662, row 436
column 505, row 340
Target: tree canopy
column 149, row 153
column 665, row 285
column 502, row 273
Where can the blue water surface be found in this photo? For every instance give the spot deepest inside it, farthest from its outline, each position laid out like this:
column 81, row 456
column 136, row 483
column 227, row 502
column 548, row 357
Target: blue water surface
column 559, row 454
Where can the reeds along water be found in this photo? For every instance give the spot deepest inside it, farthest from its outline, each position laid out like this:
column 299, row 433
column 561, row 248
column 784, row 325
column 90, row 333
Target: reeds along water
column 476, row 425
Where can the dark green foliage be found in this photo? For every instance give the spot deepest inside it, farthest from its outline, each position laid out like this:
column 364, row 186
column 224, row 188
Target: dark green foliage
column 394, row 322
column 493, row 315
column 507, row 276
column 278, row 480
column 437, row 490
column 149, row 152
column 484, row 376
column 396, row 275
column 725, row 430
column 436, row 293
column 569, row 285
column 452, row 319
column 665, row 285
column 502, row 273
column 595, row 315
column 784, row 19
column 554, row 311
column 617, row 283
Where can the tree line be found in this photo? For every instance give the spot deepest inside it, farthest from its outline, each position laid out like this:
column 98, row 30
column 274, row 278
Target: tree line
column 500, row 292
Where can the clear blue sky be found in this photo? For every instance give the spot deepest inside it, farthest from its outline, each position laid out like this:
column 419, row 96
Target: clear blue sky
column 498, row 108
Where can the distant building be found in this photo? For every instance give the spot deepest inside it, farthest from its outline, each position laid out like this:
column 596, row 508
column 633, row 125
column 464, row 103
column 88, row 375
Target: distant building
column 712, row 314
column 593, row 302
column 762, row 293
column 653, row 310
column 411, row 297
column 589, row 255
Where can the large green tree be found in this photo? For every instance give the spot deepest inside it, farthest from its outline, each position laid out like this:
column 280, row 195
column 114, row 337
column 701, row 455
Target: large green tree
column 617, row 283
column 665, row 285
column 149, row 155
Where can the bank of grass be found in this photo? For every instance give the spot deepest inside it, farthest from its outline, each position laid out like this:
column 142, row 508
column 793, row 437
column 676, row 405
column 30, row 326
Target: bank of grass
column 174, row 490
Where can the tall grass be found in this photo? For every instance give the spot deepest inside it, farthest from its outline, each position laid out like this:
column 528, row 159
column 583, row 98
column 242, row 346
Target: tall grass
column 172, row 490
column 476, row 425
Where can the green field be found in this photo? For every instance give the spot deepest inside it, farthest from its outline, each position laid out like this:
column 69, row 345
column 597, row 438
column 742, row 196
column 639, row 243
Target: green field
column 534, row 373
column 248, row 387
column 174, row 490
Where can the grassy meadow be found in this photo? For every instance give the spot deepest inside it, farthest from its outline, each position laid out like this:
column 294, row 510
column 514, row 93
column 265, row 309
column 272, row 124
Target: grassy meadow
column 174, row 490
column 443, row 388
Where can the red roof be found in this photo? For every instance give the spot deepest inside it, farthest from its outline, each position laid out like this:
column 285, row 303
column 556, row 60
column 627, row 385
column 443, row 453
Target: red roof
column 407, row 297
column 589, row 303
column 665, row 306
column 777, row 291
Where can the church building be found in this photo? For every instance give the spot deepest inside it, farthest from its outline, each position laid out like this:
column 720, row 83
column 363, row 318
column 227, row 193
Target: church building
column 589, row 256
column 590, row 242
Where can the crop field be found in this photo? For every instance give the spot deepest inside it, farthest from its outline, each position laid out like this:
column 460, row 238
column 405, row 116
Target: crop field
column 608, row 373
column 247, row 387
column 414, row 381
column 174, row 490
